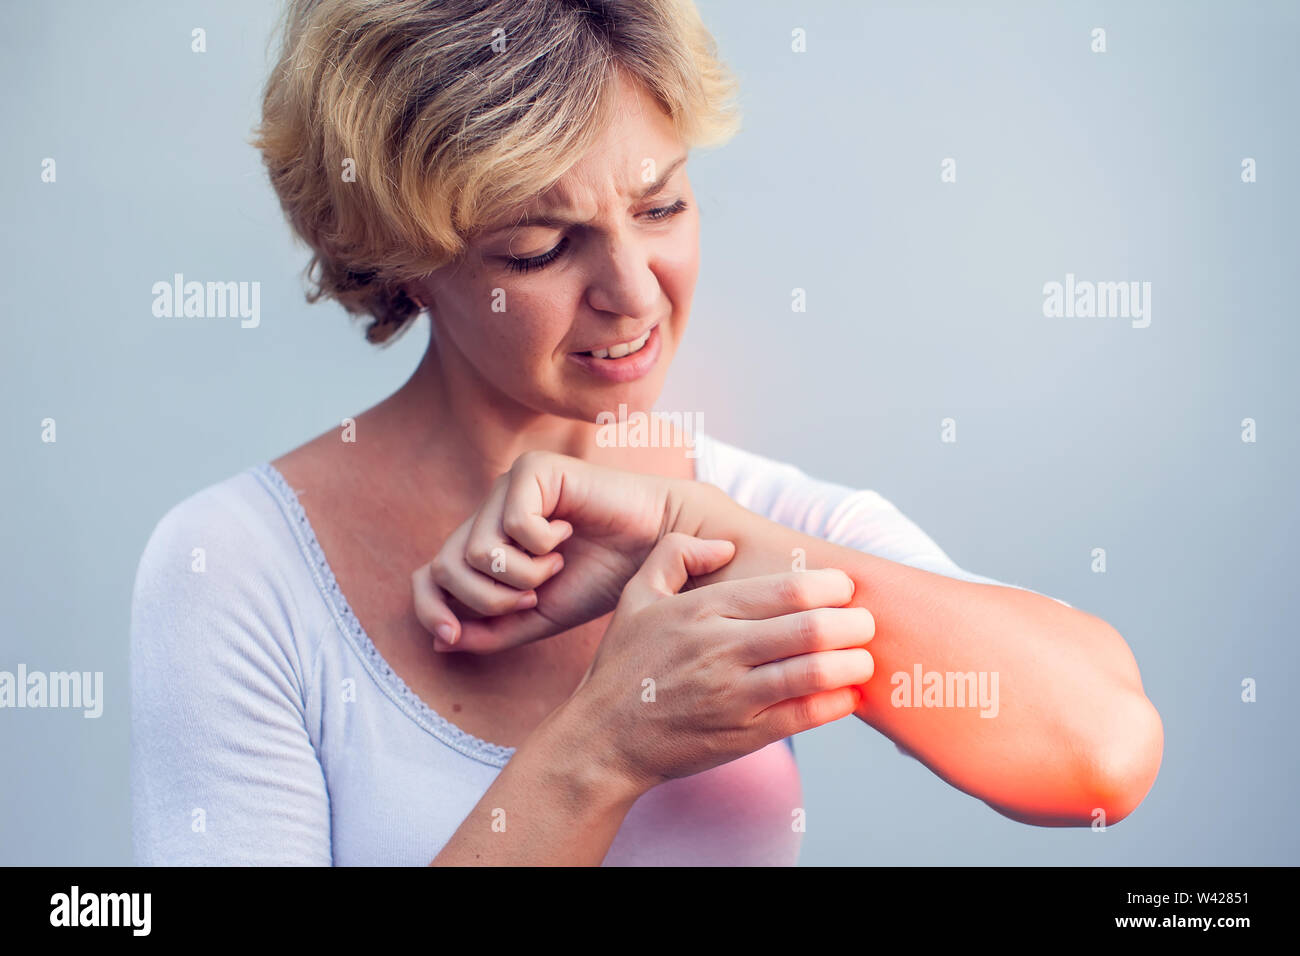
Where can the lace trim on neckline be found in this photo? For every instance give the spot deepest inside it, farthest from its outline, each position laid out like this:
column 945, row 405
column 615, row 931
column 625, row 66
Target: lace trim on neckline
column 428, row 718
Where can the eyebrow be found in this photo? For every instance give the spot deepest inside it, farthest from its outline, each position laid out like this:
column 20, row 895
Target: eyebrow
column 558, row 220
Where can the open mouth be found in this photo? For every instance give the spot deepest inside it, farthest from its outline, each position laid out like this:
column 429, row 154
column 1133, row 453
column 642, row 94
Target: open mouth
column 622, row 349
column 623, row 361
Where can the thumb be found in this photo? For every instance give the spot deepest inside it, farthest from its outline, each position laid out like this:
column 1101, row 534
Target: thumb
column 675, row 559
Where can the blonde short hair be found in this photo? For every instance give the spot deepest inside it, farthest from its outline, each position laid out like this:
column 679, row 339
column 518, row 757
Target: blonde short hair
column 447, row 111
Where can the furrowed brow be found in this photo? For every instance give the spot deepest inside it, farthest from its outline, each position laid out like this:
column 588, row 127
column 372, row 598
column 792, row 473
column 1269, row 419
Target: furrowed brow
column 657, row 186
column 559, row 220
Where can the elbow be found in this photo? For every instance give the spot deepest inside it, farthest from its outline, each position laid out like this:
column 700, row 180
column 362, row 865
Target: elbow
column 1113, row 769
column 1129, row 744
column 1106, row 748
column 1122, row 765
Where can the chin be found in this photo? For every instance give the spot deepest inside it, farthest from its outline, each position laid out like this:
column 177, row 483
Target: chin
column 640, row 399
column 586, row 403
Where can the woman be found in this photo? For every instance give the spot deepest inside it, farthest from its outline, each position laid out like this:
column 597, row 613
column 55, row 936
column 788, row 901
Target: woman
column 605, row 655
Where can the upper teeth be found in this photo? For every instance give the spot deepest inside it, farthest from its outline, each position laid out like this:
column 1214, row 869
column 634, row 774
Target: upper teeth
column 623, row 348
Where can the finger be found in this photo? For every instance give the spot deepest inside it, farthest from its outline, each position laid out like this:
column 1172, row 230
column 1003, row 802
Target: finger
column 462, row 610
column 505, row 563
column 524, row 514
column 773, row 595
column 808, row 674
column 470, row 587
column 478, row 591
column 804, row 713
column 431, row 610
column 674, row 560
column 493, row 550
column 531, row 491
column 490, row 552
column 485, row 527
column 803, row 632
column 490, row 635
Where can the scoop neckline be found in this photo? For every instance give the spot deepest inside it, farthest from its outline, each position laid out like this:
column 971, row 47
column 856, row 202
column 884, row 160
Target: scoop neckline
column 411, row 703
column 388, row 679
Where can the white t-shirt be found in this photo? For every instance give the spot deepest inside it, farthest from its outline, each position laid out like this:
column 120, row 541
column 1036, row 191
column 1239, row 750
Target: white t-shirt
column 267, row 729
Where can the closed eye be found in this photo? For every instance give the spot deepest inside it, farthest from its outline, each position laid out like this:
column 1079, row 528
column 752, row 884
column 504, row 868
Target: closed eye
column 546, row 258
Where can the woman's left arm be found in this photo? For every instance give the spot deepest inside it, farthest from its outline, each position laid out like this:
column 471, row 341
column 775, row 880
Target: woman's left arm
column 1032, row 706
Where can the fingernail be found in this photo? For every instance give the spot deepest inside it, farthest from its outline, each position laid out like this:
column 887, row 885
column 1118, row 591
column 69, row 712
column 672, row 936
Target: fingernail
column 527, row 601
column 446, row 632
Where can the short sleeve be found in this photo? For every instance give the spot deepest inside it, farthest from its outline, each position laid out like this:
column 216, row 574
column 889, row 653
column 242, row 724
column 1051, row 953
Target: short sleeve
column 223, row 769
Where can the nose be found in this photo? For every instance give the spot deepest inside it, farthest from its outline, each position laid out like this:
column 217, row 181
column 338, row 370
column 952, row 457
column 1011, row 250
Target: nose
column 622, row 281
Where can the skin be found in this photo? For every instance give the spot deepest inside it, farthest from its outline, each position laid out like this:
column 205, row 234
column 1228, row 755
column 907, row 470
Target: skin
column 491, row 386
column 656, row 573
column 1073, row 732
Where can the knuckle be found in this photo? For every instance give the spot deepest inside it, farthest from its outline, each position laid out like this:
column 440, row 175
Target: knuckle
column 813, row 628
column 806, row 712
column 816, row 671
column 793, row 589
column 698, row 609
column 819, row 709
column 713, row 671
column 439, row 569
column 513, row 523
column 529, row 461
column 789, row 684
column 784, row 724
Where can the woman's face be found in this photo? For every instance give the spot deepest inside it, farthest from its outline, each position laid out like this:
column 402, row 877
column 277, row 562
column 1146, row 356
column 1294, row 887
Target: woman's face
column 518, row 317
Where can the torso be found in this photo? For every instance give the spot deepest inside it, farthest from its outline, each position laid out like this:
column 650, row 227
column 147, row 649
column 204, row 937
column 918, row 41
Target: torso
column 375, row 534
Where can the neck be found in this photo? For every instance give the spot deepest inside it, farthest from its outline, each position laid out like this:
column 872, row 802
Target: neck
column 449, row 421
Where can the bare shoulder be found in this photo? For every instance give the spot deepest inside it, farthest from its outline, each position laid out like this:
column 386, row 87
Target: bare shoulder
column 347, row 458
column 309, row 462
column 332, row 462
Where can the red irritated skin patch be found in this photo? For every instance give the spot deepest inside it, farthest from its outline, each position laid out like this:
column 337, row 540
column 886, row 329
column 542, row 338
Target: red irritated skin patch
column 1063, row 736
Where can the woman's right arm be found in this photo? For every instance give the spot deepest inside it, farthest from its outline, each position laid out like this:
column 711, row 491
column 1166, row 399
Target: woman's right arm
column 554, row 804
column 223, row 767
column 681, row 683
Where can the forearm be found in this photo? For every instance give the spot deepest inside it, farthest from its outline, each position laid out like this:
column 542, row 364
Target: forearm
column 552, row 805
column 1068, row 728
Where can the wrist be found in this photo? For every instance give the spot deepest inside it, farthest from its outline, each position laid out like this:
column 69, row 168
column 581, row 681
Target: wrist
column 579, row 762
column 700, row 509
column 763, row 546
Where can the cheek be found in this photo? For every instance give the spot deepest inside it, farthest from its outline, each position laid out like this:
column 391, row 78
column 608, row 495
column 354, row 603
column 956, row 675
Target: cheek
column 524, row 325
column 680, row 265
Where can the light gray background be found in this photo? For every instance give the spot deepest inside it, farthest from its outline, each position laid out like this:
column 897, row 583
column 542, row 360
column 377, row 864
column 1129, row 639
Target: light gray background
column 924, row 300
